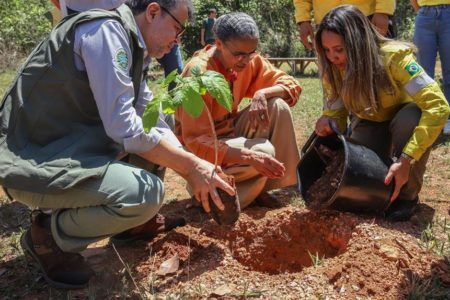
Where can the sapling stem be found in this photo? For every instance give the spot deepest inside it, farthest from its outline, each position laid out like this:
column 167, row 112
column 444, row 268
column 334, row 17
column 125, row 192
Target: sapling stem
column 216, row 142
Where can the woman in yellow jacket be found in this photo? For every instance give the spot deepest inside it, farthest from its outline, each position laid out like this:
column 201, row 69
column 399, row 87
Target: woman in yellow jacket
column 396, row 109
column 377, row 10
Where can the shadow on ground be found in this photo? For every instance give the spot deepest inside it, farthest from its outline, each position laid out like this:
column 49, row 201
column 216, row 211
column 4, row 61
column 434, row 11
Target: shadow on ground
column 14, row 216
column 435, row 284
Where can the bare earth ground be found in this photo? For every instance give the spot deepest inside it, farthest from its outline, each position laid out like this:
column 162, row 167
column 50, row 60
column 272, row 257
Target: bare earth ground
column 278, row 254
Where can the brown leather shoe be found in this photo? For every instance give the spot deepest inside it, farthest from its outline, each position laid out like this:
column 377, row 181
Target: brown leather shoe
column 148, row 230
column 61, row 270
column 267, row 200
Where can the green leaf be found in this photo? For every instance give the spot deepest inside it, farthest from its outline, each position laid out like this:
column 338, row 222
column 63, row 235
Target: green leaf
column 192, row 101
column 169, row 78
column 178, row 97
column 196, row 71
column 167, row 104
column 151, row 114
column 194, row 83
column 218, row 88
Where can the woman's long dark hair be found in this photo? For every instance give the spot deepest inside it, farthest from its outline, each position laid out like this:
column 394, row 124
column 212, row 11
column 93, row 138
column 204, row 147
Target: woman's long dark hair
column 365, row 74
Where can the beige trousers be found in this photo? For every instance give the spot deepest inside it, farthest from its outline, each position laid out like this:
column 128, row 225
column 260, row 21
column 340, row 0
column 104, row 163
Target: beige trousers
column 278, row 140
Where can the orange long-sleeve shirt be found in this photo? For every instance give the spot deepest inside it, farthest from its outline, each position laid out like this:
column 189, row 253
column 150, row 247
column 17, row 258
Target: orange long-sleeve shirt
column 196, row 134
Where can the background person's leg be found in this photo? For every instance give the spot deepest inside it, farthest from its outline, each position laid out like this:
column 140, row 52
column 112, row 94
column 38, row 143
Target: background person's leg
column 444, row 53
column 425, row 38
column 124, row 198
column 172, row 61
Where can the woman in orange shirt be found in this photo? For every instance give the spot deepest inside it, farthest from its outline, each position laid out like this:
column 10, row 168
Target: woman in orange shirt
column 257, row 145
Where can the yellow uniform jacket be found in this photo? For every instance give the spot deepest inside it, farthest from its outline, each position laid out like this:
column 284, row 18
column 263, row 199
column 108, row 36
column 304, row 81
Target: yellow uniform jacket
column 432, row 2
column 303, row 8
column 411, row 84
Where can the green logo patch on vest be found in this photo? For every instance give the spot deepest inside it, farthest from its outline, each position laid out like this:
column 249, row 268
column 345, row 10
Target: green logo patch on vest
column 413, row 68
column 121, row 60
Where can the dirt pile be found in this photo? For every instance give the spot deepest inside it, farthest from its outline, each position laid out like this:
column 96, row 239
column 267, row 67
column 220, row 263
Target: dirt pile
column 326, row 185
column 289, row 253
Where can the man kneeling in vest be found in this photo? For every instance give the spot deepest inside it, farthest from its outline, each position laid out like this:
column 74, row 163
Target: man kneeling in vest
column 75, row 106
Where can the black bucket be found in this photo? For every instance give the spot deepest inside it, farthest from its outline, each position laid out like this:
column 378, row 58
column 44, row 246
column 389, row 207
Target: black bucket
column 361, row 187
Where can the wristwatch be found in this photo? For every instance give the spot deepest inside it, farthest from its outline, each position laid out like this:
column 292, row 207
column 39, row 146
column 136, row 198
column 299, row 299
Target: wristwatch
column 407, row 157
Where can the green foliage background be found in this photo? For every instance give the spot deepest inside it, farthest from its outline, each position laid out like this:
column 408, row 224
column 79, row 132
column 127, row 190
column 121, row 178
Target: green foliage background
column 275, row 18
column 404, row 20
column 23, row 23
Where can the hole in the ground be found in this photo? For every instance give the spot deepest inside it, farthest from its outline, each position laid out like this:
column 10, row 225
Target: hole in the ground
column 288, row 242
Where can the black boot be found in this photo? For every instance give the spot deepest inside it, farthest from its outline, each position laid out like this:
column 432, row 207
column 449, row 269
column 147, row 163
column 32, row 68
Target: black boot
column 61, row 270
column 401, row 210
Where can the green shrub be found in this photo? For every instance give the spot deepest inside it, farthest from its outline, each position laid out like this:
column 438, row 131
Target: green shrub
column 23, row 23
column 275, row 20
column 404, row 20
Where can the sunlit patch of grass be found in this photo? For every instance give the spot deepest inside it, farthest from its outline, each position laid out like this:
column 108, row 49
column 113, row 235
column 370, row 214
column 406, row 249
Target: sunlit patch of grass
column 316, row 260
column 308, row 109
column 6, row 77
column 436, row 237
column 425, row 288
column 248, row 292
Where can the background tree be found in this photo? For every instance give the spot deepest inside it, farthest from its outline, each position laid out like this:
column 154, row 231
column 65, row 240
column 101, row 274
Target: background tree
column 275, row 19
column 23, row 23
column 404, row 20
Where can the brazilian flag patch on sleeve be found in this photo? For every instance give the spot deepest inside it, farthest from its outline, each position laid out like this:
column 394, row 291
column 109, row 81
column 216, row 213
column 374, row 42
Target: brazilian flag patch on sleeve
column 413, row 68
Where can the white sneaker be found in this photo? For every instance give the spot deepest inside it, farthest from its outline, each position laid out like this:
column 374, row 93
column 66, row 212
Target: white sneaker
column 446, row 130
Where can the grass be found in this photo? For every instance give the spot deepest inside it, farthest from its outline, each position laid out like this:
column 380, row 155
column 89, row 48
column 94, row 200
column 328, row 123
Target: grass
column 429, row 288
column 6, row 77
column 316, row 260
column 436, row 237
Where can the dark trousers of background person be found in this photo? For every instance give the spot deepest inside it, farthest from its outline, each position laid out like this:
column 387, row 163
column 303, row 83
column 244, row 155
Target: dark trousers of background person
column 389, row 138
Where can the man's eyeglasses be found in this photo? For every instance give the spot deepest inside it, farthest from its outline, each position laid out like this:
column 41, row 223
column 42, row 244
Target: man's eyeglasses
column 183, row 29
column 241, row 55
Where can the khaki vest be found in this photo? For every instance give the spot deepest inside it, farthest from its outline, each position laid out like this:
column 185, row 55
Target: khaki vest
column 51, row 134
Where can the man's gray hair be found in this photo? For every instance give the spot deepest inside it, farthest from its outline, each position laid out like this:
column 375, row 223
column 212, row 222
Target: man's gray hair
column 139, row 6
column 235, row 25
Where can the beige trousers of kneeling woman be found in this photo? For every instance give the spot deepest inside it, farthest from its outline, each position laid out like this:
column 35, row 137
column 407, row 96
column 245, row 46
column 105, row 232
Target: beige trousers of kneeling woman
column 278, row 140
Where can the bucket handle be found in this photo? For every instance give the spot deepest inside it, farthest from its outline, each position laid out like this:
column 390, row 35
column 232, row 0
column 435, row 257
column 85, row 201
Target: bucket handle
column 314, row 136
column 334, row 127
column 311, row 140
